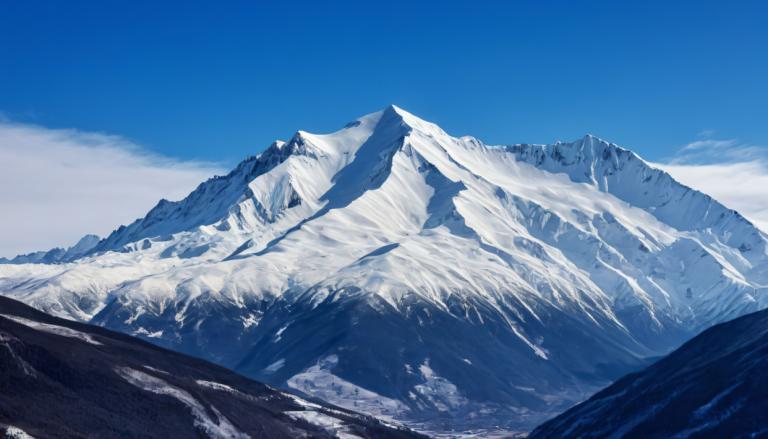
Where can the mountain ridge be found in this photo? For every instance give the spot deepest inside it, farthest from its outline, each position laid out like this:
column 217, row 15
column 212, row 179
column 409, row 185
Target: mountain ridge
column 390, row 232
column 125, row 387
column 277, row 151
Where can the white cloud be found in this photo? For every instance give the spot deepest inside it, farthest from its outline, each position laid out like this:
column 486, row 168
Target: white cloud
column 698, row 145
column 740, row 186
column 734, row 173
column 58, row 185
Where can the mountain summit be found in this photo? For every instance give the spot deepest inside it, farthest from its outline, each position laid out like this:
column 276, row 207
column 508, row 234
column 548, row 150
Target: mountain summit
column 397, row 270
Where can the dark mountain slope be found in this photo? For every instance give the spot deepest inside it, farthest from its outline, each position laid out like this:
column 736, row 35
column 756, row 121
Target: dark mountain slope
column 64, row 379
column 714, row 386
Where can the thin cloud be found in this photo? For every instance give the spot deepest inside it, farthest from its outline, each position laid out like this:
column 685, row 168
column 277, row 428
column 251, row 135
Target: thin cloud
column 60, row 184
column 709, row 151
column 699, row 145
column 733, row 172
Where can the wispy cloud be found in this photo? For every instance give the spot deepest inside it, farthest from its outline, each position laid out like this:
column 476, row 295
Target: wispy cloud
column 707, row 133
column 700, row 145
column 733, row 172
column 58, row 185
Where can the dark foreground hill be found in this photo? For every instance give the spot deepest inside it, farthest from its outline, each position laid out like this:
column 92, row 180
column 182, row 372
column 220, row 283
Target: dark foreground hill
column 714, row 386
column 64, row 379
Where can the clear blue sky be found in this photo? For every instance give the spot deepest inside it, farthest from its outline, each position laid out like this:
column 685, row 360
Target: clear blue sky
column 220, row 80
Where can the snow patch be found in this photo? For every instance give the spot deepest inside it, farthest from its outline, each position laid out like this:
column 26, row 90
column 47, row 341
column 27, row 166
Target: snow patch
column 251, row 320
column 141, row 331
column 12, row 432
column 274, row 367
column 301, row 401
column 53, row 329
column 6, row 340
column 216, row 386
column 279, row 333
column 321, row 383
column 443, row 394
column 216, row 428
column 328, row 423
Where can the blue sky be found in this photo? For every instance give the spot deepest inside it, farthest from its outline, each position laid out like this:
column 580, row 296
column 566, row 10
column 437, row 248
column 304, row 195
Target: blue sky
column 218, row 82
column 105, row 107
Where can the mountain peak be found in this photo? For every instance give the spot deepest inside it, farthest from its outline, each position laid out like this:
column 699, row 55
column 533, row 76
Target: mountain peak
column 391, row 117
column 391, row 114
column 57, row 254
column 411, row 120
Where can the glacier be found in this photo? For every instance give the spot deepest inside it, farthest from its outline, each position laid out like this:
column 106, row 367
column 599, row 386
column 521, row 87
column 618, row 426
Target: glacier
column 427, row 278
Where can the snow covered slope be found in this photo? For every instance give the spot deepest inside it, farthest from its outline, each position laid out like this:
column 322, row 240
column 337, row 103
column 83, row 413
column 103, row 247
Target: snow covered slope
column 715, row 386
column 395, row 269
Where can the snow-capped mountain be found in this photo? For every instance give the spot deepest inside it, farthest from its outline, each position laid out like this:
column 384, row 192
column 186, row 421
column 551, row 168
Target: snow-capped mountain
column 397, row 270
column 714, row 386
column 123, row 387
column 58, row 254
